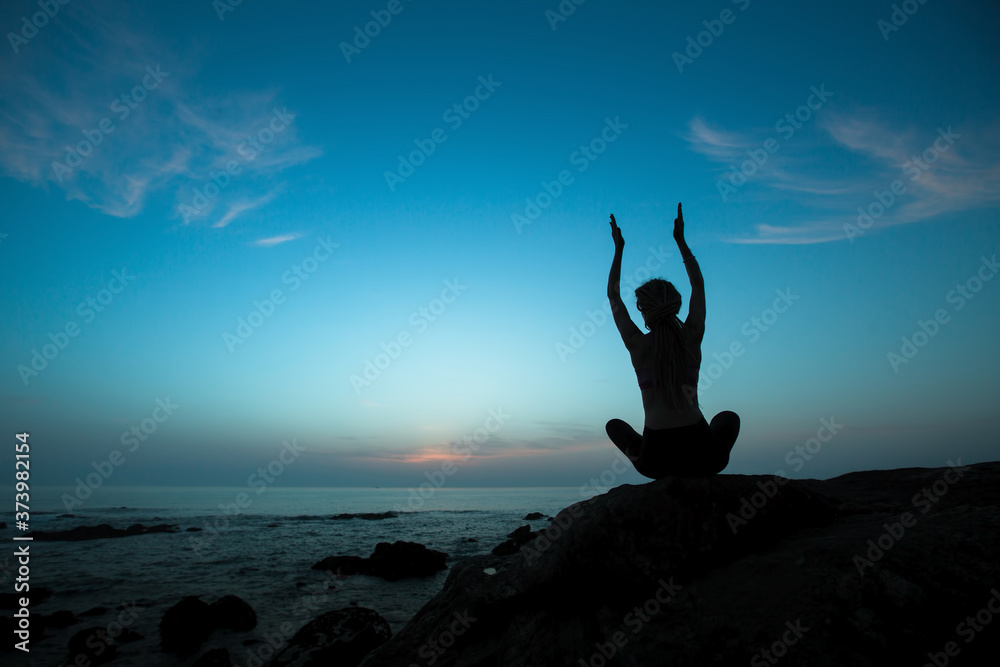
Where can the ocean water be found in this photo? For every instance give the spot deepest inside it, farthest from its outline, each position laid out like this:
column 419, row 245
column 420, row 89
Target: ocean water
column 262, row 553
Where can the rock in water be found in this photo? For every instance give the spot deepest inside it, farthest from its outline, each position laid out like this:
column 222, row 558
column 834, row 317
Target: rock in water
column 515, row 541
column 870, row 568
column 405, row 559
column 99, row 532
column 233, row 613
column 389, row 561
column 340, row 638
column 368, row 516
column 185, row 626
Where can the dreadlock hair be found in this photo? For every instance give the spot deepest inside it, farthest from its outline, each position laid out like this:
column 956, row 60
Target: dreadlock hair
column 659, row 302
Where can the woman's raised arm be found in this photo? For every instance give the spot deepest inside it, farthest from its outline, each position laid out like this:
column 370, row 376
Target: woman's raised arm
column 696, row 308
column 626, row 327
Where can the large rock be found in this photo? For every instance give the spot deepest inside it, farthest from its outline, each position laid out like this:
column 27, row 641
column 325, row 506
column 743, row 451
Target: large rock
column 340, row 638
column 405, row 559
column 389, row 561
column 367, row 516
column 871, row 568
column 99, row 532
column 515, row 541
column 185, row 626
column 233, row 613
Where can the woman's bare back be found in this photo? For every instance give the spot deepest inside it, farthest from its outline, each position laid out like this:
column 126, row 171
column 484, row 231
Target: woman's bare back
column 656, row 403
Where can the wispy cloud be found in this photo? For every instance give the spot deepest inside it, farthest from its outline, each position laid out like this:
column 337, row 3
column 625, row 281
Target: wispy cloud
column 714, row 142
column 165, row 138
column 963, row 175
column 236, row 208
column 275, row 240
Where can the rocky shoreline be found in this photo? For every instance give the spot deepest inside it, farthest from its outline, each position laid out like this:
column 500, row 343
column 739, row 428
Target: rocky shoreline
column 871, row 568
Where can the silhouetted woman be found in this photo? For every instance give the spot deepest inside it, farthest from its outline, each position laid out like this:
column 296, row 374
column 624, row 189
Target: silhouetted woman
column 676, row 439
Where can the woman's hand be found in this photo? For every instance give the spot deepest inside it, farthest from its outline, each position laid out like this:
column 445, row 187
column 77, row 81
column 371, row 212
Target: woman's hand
column 678, row 224
column 616, row 234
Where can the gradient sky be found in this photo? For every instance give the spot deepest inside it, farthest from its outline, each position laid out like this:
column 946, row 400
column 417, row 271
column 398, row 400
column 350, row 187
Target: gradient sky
column 196, row 258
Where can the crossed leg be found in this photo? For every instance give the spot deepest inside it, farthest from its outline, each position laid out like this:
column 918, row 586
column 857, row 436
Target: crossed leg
column 625, row 438
column 726, row 428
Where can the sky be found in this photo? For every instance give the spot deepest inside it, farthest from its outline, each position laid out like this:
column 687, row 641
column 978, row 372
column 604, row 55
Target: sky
column 369, row 240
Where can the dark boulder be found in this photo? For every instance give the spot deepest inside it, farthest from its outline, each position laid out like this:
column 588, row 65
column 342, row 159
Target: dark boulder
column 233, row 613
column 871, row 568
column 398, row 560
column 367, row 516
column 405, row 559
column 98, row 532
column 515, row 541
column 185, row 626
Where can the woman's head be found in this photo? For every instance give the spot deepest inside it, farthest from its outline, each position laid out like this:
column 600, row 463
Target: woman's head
column 658, row 301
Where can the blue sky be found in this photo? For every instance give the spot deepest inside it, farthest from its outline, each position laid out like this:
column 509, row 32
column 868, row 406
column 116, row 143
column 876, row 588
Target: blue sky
column 184, row 167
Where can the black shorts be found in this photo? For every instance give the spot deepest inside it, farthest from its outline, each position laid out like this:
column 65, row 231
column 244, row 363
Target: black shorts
column 685, row 451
